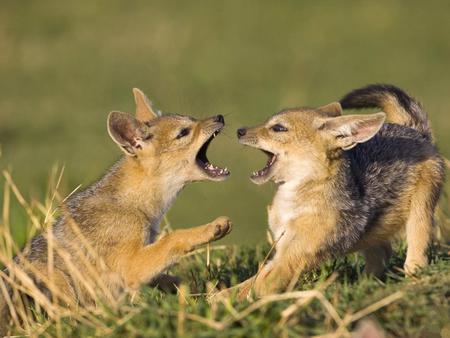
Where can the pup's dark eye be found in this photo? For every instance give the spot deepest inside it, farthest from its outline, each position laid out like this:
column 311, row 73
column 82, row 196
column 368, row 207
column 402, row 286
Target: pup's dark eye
column 183, row 132
column 278, row 128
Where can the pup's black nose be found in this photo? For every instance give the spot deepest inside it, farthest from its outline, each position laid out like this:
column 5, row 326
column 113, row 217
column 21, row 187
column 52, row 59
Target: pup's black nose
column 219, row 118
column 241, row 132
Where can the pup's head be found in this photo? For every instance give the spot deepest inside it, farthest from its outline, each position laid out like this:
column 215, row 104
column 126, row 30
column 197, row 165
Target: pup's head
column 299, row 141
column 173, row 145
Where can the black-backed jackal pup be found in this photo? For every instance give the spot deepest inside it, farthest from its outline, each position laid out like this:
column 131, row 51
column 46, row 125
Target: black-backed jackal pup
column 118, row 217
column 346, row 183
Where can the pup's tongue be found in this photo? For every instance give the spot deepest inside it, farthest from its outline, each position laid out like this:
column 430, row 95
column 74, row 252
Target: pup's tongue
column 264, row 171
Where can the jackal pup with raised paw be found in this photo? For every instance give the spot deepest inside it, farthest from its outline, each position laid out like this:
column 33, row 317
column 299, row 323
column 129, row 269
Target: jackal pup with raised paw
column 346, row 183
column 118, row 217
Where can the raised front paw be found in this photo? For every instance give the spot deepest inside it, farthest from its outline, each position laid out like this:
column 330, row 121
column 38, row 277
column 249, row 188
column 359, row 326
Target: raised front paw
column 219, row 228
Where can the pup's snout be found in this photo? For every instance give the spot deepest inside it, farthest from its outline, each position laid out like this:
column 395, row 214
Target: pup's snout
column 219, row 118
column 241, row 132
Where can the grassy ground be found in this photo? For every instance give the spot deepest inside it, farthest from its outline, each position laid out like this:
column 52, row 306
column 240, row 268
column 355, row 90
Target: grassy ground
column 402, row 307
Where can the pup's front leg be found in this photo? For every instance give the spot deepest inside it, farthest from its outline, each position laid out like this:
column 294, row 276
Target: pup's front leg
column 147, row 262
column 275, row 276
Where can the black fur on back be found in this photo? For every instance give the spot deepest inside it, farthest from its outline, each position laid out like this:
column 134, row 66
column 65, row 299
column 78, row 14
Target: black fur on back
column 372, row 177
column 380, row 95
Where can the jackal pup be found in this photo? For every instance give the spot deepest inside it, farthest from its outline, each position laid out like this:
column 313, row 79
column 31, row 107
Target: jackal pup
column 119, row 215
column 346, row 183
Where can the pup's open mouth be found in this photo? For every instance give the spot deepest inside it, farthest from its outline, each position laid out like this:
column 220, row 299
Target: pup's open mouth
column 210, row 169
column 272, row 158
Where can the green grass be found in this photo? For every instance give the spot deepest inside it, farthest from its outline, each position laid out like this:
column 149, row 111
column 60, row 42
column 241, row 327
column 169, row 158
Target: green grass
column 421, row 311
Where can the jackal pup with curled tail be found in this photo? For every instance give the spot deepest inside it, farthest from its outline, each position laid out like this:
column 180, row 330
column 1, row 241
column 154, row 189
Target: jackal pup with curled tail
column 118, row 217
column 346, row 183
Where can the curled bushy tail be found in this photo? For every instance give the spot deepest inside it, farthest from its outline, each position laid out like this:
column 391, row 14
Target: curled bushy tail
column 399, row 107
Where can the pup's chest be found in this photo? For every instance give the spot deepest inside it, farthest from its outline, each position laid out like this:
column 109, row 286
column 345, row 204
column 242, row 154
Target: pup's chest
column 286, row 207
column 152, row 223
column 151, row 231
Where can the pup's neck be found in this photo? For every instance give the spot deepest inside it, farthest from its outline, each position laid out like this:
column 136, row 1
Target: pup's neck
column 311, row 183
column 151, row 191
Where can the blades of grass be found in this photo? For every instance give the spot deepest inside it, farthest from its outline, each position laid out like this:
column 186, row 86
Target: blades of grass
column 267, row 300
column 374, row 307
column 9, row 302
column 53, row 190
column 290, row 310
column 182, row 291
column 35, row 221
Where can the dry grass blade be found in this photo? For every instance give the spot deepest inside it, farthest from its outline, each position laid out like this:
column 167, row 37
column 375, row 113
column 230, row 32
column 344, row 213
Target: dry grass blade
column 330, row 309
column 9, row 302
column 290, row 310
column 182, row 291
column 342, row 329
column 205, row 321
column 29, row 288
column 374, row 307
column 35, row 221
column 54, row 188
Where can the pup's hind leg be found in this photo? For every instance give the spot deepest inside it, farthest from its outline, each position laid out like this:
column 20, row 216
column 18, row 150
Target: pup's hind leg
column 419, row 226
column 418, row 236
column 377, row 258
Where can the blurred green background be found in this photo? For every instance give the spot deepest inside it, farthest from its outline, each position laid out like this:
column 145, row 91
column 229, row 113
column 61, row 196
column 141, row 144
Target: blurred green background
column 65, row 65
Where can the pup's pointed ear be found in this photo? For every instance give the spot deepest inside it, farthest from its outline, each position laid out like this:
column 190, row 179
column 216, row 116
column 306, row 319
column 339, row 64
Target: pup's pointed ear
column 332, row 109
column 125, row 130
column 349, row 130
column 144, row 111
